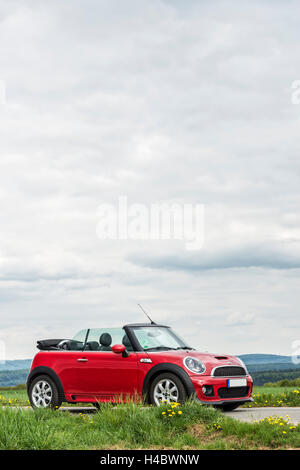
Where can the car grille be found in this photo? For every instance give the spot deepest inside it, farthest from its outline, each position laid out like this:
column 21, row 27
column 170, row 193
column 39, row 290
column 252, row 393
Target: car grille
column 235, row 392
column 229, row 371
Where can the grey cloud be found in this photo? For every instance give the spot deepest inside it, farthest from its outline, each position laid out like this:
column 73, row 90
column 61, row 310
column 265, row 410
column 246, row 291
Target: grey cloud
column 255, row 256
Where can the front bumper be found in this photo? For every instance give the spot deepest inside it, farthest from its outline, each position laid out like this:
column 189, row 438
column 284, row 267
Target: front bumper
column 222, row 402
column 219, row 384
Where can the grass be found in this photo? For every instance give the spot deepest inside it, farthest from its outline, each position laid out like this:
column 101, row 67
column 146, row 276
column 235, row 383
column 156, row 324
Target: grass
column 275, row 397
column 15, row 387
column 273, row 390
column 130, row 426
column 13, row 397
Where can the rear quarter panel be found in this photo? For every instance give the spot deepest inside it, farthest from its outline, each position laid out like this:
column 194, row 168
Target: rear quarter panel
column 62, row 363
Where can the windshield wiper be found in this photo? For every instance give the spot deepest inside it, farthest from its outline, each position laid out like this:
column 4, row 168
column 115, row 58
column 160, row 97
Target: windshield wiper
column 166, row 348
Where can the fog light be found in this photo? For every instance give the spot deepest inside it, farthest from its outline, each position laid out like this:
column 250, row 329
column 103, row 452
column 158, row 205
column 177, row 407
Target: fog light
column 208, row 390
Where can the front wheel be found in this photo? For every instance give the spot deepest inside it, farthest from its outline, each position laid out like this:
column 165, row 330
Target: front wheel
column 167, row 388
column 43, row 393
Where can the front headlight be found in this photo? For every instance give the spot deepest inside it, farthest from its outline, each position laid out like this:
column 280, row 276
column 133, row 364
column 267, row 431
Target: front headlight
column 194, row 365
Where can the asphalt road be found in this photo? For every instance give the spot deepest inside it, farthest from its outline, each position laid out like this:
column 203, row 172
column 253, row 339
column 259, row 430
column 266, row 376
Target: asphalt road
column 252, row 414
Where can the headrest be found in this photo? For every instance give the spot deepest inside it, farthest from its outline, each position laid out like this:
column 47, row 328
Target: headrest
column 105, row 339
column 126, row 341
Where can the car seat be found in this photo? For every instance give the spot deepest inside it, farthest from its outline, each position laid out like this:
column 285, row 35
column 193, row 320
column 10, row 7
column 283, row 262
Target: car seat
column 126, row 342
column 105, row 342
column 92, row 346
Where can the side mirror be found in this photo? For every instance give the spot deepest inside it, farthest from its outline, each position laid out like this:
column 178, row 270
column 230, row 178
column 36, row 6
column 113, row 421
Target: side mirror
column 120, row 349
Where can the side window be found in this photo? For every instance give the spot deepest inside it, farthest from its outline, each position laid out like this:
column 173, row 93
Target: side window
column 75, row 344
column 80, row 336
column 102, row 339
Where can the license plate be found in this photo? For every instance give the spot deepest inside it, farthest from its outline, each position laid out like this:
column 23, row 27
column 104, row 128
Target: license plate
column 236, row 382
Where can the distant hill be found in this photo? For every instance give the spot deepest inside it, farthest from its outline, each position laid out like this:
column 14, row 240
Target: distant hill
column 17, row 364
column 11, row 378
column 14, row 372
column 265, row 359
column 263, row 376
column 270, row 367
column 268, row 362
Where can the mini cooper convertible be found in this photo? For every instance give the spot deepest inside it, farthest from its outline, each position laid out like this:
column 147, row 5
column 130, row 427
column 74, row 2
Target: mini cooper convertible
column 142, row 361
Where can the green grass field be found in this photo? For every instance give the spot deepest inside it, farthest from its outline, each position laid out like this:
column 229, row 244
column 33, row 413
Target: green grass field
column 275, row 397
column 129, row 426
column 13, row 397
column 273, row 390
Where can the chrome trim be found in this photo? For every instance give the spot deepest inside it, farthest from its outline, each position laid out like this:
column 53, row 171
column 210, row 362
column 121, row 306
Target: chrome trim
column 225, row 376
column 243, row 364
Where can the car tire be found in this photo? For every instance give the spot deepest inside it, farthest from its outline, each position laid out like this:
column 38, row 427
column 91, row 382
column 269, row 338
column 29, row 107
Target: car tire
column 96, row 405
column 229, row 406
column 167, row 387
column 43, row 393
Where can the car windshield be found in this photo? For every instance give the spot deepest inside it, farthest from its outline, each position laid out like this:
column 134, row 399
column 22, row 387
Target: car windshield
column 158, row 338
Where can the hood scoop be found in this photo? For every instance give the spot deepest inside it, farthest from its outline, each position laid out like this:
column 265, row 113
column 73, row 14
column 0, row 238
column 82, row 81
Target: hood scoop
column 221, row 358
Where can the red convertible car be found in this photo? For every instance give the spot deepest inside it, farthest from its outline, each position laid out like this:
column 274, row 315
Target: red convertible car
column 141, row 361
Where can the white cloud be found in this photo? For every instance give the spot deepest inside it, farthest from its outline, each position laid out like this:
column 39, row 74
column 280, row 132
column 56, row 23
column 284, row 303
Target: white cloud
column 159, row 101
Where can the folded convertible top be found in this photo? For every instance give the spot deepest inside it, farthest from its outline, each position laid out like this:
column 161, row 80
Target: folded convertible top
column 48, row 344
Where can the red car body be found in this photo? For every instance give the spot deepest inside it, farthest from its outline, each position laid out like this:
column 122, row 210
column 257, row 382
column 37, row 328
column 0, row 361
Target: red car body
column 90, row 376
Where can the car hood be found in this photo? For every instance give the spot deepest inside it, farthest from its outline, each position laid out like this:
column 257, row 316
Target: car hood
column 209, row 360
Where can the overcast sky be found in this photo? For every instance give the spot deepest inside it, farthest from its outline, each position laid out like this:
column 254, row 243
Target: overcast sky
column 160, row 101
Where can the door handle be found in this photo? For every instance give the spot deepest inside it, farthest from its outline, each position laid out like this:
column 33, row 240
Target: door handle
column 82, row 359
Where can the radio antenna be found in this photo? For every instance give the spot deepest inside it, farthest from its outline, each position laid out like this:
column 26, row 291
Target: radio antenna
column 152, row 322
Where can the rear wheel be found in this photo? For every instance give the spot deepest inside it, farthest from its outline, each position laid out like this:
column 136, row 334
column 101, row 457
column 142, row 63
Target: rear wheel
column 43, row 393
column 167, row 388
